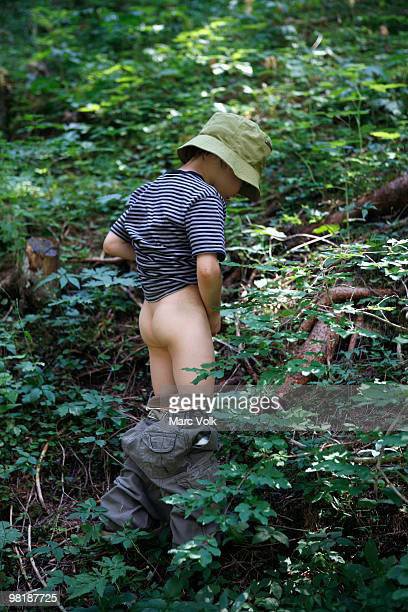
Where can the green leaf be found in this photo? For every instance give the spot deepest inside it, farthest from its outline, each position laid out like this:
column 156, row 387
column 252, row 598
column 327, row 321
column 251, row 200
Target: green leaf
column 371, row 554
column 280, row 537
column 332, row 228
column 80, row 585
column 386, row 135
column 400, row 595
column 263, row 534
column 401, row 339
column 244, row 511
column 100, row 586
column 8, row 534
column 382, row 87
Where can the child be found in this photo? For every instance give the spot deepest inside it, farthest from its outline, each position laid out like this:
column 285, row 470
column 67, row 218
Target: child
column 174, row 228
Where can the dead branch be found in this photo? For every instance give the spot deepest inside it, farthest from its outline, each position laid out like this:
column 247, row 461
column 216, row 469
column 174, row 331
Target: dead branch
column 98, row 260
column 19, row 554
column 37, row 477
column 374, row 460
column 132, row 296
column 35, row 568
column 389, row 199
column 393, row 487
column 341, row 293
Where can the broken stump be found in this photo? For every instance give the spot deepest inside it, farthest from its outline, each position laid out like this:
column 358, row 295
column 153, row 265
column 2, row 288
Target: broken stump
column 42, row 259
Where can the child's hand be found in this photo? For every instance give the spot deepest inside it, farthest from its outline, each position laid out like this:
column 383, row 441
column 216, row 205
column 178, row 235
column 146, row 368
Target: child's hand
column 215, row 323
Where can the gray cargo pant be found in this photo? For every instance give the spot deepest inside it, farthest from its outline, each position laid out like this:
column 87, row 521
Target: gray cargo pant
column 162, row 458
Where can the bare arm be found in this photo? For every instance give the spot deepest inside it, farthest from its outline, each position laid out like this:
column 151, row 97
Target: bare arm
column 209, row 279
column 115, row 246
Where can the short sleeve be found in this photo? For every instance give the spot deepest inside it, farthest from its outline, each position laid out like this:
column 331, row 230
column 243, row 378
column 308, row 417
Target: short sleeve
column 118, row 226
column 205, row 223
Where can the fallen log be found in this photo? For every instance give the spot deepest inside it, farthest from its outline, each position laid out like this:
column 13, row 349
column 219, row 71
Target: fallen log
column 354, row 337
column 341, row 293
column 389, row 199
column 322, row 342
column 320, row 346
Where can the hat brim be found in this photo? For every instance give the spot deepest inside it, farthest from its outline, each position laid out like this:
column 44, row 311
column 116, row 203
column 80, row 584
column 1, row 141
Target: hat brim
column 242, row 170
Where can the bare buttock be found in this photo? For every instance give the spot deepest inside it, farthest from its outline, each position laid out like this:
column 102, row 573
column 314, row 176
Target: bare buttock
column 168, row 321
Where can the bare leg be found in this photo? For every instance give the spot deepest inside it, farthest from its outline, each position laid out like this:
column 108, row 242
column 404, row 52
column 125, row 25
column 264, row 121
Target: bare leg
column 161, row 371
column 192, row 350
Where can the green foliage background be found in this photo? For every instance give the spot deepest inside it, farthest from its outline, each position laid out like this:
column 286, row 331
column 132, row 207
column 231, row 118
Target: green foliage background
column 96, row 96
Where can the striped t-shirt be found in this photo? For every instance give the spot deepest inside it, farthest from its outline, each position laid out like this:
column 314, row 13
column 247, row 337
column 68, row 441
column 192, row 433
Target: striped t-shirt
column 168, row 221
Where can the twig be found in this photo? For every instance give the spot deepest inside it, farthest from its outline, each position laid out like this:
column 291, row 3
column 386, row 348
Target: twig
column 371, row 314
column 132, row 297
column 296, row 443
column 374, row 460
column 37, row 477
column 230, row 346
column 25, row 513
column 396, row 225
column 229, row 378
column 399, row 352
column 31, row 559
column 19, row 553
column 82, row 464
column 238, row 333
column 114, row 458
column 62, row 475
column 129, row 357
column 89, row 372
column 8, row 312
column 396, row 491
column 20, row 560
column 35, row 568
column 245, row 476
column 105, row 260
column 234, row 349
column 112, row 366
column 315, row 239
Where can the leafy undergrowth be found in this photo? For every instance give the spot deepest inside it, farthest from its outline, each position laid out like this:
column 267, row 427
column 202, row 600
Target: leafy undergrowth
column 101, row 94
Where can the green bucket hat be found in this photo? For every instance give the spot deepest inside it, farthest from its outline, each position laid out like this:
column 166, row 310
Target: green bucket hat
column 239, row 142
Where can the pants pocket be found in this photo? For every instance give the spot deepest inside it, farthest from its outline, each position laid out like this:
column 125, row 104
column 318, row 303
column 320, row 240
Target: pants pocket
column 158, row 453
column 160, row 442
column 161, row 449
